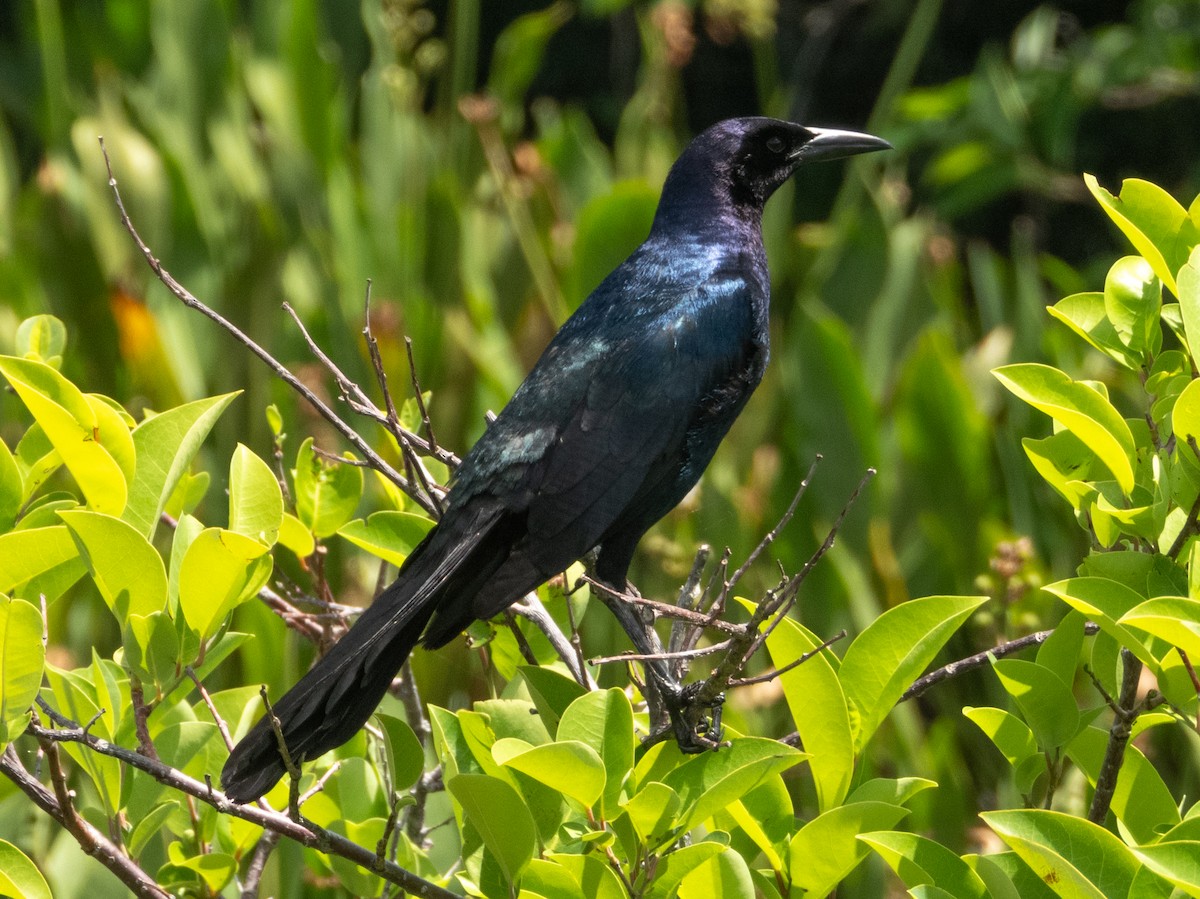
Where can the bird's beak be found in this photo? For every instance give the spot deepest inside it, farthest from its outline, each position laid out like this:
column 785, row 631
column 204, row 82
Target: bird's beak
column 830, row 143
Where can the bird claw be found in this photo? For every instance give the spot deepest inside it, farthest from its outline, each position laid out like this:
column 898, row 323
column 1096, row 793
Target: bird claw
column 696, row 722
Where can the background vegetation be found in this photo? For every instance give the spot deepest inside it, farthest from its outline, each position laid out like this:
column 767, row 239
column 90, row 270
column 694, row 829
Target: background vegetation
column 485, row 164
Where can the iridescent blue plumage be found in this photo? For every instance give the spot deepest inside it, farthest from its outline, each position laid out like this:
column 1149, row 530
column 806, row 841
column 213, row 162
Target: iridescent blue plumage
column 613, row 426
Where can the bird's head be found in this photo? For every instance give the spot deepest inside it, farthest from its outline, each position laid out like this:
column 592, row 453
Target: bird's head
column 745, row 160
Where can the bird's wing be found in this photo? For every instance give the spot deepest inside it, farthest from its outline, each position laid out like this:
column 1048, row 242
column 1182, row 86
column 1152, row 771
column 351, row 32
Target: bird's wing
column 621, row 417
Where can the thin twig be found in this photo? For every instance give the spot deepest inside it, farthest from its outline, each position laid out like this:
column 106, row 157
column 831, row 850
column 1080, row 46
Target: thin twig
column 141, row 712
column 302, row 831
column 1125, row 712
column 319, row 785
column 748, row 641
column 531, row 608
column 982, row 660
column 90, row 840
column 772, row 535
column 258, row 861
column 778, row 672
column 289, row 765
column 420, row 398
column 417, row 479
column 685, row 637
column 523, row 647
column 189, row 299
column 665, row 609
column 222, row 727
column 667, row 655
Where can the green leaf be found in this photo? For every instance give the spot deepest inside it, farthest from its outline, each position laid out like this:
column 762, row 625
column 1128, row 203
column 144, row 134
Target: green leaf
column 42, row 338
column 255, row 499
column 1044, row 699
column 607, row 230
column 112, row 431
column 891, row 653
column 148, row 825
column 219, row 571
column 569, row 767
column 652, row 811
column 892, row 790
column 548, row 878
column 1189, row 299
column 22, row 656
column 603, row 720
column 296, row 537
column 28, row 554
column 389, row 535
column 1185, row 414
column 517, row 52
column 1172, row 618
column 11, row 488
column 1132, row 299
column 1084, row 313
column 165, row 445
column 19, row 876
column 1157, row 226
column 710, row 781
column 327, row 493
column 1008, row 877
column 594, row 876
column 1060, row 652
column 152, row 648
column 406, row 757
column 1141, row 801
column 827, row 848
column 724, row 876
column 1178, row 862
column 70, row 423
column 1080, row 409
column 551, row 692
column 675, row 866
column 1074, row 856
column 215, row 868
column 77, row 696
column 128, row 571
column 499, row 815
column 818, row 706
column 1010, row 735
column 1104, row 601
column 918, row 860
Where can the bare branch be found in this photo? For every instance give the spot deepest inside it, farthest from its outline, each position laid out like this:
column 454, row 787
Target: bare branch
column 302, row 831
column 258, row 861
column 434, row 449
column 981, row 660
column 88, row 837
column 668, row 655
column 1125, row 712
column 531, row 608
column 772, row 675
column 188, row 299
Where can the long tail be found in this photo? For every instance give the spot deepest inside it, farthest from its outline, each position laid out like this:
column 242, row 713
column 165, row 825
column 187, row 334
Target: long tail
column 335, row 698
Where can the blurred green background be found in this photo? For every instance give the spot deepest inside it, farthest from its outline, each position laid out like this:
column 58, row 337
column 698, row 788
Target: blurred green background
column 486, row 163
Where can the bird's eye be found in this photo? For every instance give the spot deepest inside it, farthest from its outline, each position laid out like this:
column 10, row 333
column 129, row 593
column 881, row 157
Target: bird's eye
column 775, row 144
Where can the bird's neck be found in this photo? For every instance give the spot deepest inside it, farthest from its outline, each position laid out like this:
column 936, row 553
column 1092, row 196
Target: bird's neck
column 704, row 217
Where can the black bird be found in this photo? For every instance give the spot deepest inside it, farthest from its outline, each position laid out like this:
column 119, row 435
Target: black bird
column 612, row 427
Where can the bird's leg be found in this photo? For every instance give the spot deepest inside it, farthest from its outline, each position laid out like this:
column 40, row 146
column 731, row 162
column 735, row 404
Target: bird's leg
column 697, row 725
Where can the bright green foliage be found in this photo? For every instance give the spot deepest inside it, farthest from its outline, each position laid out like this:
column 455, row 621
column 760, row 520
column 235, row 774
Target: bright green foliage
column 272, row 151
column 21, row 658
column 1134, row 484
column 19, row 876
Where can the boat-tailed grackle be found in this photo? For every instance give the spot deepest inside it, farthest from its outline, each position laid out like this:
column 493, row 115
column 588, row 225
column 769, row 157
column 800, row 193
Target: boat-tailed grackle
column 612, row 427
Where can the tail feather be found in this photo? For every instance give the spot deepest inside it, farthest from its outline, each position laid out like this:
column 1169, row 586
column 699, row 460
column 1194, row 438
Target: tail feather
column 335, row 698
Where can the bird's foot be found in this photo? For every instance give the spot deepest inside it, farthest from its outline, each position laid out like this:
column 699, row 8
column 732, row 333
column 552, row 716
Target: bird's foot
column 696, row 721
